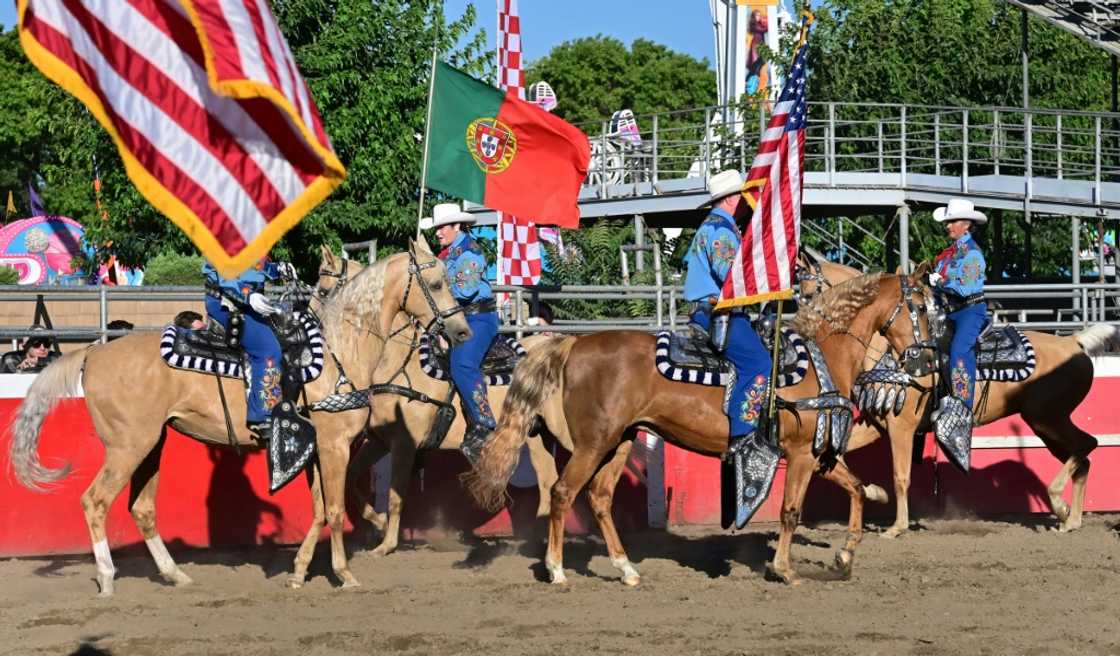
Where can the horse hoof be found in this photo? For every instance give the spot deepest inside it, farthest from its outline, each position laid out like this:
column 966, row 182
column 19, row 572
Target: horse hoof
column 348, row 580
column 177, row 578
column 844, row 559
column 294, row 583
column 632, row 581
column 789, row 577
column 875, row 493
column 892, row 533
column 383, row 550
column 104, row 586
column 1061, row 509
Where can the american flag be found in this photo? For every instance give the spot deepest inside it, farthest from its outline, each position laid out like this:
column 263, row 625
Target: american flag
column 203, row 99
column 519, row 249
column 763, row 267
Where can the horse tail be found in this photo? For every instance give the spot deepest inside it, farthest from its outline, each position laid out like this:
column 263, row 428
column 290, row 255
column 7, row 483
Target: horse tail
column 61, row 378
column 1096, row 338
column 536, row 378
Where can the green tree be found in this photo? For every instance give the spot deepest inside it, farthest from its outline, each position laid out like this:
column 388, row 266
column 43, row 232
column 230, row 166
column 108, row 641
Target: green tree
column 959, row 53
column 367, row 64
column 596, row 76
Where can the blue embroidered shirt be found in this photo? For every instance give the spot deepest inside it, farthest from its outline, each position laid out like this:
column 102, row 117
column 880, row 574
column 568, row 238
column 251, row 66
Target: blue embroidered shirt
column 466, row 270
column 962, row 266
column 252, row 280
column 710, row 256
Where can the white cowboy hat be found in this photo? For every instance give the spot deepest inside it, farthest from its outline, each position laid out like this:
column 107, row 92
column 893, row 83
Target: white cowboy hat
column 959, row 208
column 723, row 184
column 443, row 214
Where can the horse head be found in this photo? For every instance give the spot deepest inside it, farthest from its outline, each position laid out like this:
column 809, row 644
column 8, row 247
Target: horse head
column 427, row 296
column 906, row 323
column 334, row 273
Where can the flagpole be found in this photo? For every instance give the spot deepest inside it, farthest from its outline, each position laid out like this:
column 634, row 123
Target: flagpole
column 806, row 20
column 427, row 131
column 777, row 342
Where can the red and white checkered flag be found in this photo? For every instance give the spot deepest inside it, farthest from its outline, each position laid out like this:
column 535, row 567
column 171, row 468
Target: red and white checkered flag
column 519, row 250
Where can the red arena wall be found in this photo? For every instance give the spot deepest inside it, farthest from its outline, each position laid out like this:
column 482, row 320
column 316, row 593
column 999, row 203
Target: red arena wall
column 215, row 497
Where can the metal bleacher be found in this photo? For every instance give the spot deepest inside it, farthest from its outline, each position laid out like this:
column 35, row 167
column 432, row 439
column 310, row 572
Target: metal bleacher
column 1096, row 21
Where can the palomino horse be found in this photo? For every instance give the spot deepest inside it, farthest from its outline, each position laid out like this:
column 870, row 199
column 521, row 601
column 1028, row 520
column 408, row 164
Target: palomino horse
column 399, row 425
column 593, row 392
column 1062, row 363
column 356, row 323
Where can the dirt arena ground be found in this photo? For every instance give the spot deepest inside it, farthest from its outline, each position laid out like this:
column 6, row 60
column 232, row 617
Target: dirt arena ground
column 955, row 587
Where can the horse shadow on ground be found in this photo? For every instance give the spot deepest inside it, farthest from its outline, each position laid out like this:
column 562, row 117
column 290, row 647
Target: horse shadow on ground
column 89, row 647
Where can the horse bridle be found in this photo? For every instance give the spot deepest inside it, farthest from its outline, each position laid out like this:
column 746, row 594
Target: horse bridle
column 911, row 355
column 439, row 317
column 813, row 271
column 343, row 278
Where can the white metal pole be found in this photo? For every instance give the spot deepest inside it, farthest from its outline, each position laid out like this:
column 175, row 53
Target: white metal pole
column 427, row 132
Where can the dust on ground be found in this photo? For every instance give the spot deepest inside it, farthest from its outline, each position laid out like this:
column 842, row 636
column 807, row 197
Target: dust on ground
column 952, row 587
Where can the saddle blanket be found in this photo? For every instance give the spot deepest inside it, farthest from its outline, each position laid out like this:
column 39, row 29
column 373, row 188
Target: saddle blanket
column 1004, row 354
column 206, row 352
column 687, row 357
column 497, row 368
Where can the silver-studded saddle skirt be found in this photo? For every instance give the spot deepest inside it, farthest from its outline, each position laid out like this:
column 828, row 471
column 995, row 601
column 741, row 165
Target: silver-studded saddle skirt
column 215, row 350
column 687, row 356
column 1004, row 354
column 497, row 368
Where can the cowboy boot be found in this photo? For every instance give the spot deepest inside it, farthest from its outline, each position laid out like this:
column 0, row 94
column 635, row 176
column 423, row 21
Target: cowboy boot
column 474, row 440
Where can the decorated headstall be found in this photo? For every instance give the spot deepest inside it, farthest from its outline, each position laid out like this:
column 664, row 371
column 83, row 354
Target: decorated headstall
column 439, row 317
column 882, row 389
column 341, row 278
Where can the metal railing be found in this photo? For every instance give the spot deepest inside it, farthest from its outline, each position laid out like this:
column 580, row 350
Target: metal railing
column 997, row 150
column 1047, row 307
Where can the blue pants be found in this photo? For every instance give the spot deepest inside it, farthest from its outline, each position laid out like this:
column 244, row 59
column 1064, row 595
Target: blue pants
column 752, row 371
column 465, row 362
column 968, row 323
column 264, row 359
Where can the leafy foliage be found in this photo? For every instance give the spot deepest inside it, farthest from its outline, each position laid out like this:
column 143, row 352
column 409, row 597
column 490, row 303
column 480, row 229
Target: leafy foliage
column 593, row 257
column 174, row 269
column 367, row 64
column 8, row 276
column 953, row 53
column 595, row 76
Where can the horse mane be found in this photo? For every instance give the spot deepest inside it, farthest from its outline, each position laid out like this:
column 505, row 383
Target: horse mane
column 835, row 307
column 361, row 298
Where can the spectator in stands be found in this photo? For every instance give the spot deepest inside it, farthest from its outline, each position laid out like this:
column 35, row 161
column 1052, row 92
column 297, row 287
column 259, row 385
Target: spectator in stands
column 190, row 320
column 118, row 324
column 33, row 356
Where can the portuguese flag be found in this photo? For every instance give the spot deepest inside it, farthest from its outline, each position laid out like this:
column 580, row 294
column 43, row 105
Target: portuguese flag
column 493, row 148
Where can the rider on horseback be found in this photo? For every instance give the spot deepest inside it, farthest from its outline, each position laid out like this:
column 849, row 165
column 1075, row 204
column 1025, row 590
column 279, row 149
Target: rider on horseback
column 959, row 280
column 708, row 260
column 244, row 294
column 466, row 270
